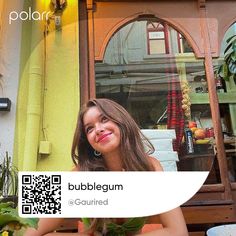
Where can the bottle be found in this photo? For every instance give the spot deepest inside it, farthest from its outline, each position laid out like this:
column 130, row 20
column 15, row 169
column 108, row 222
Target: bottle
column 188, row 136
column 219, row 84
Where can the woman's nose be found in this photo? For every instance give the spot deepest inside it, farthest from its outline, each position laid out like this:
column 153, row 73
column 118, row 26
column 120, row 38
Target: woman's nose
column 99, row 128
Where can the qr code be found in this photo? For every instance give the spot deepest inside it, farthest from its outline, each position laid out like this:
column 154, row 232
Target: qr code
column 41, row 194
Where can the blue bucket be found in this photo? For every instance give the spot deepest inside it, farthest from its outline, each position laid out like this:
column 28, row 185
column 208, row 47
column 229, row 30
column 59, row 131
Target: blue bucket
column 222, row 230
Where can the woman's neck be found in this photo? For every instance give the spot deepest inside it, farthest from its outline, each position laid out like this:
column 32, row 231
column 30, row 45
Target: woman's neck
column 113, row 162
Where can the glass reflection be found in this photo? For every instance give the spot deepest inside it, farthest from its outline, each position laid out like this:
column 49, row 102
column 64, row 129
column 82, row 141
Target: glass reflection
column 150, row 69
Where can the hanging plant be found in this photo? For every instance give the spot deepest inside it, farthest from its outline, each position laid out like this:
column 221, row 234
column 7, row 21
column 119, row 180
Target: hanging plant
column 228, row 69
column 8, row 177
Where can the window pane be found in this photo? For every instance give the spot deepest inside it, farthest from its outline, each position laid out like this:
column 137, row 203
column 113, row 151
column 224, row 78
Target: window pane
column 161, row 92
column 157, row 46
column 156, row 35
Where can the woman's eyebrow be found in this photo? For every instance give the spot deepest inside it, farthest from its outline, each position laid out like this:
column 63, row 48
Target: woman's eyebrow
column 85, row 125
column 89, row 123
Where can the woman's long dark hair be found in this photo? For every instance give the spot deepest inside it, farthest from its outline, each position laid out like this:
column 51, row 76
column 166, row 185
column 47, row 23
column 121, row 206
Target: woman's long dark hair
column 134, row 156
column 133, row 143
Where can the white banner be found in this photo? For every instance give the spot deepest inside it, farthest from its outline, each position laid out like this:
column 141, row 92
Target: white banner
column 105, row 194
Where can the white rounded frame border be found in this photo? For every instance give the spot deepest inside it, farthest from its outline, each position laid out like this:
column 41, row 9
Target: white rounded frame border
column 115, row 194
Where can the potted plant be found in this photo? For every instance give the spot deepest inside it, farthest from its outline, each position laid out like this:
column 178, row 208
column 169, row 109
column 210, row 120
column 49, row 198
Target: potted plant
column 8, row 180
column 10, row 222
column 228, row 69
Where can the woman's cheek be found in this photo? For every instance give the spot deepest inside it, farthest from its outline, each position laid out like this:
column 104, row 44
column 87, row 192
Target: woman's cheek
column 90, row 138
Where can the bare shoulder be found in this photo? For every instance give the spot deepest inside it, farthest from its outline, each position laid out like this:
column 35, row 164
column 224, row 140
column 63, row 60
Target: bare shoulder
column 76, row 168
column 156, row 164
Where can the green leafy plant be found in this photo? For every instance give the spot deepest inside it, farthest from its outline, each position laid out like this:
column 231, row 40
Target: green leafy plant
column 8, row 177
column 131, row 226
column 10, row 220
column 228, row 69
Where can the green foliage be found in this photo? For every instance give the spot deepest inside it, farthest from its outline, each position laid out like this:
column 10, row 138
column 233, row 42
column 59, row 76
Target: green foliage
column 10, row 220
column 8, row 177
column 228, row 69
column 130, row 226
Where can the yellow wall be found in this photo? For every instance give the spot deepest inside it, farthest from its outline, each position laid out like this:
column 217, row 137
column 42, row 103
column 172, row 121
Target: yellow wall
column 59, row 88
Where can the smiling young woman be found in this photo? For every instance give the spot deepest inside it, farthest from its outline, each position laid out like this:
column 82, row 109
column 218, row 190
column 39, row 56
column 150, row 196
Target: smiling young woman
column 107, row 128
column 108, row 139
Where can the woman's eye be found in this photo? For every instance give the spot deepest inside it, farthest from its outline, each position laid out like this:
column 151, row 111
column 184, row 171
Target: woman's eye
column 88, row 129
column 104, row 119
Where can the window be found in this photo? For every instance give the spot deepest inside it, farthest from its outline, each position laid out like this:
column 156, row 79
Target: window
column 183, row 45
column 163, row 39
column 157, row 37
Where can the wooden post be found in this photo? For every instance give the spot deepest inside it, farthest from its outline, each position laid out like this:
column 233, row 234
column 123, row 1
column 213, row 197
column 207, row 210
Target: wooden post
column 91, row 57
column 83, row 52
column 214, row 100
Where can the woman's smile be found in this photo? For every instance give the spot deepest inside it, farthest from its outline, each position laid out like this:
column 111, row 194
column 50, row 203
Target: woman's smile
column 104, row 137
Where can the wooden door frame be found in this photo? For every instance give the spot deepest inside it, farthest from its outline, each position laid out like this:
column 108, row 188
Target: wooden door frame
column 87, row 73
column 86, row 51
column 83, row 52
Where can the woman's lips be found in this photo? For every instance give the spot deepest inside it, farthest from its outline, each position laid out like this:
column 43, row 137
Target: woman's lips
column 102, row 137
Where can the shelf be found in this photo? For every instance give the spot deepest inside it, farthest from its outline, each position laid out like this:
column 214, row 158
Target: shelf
column 203, row 98
column 191, row 156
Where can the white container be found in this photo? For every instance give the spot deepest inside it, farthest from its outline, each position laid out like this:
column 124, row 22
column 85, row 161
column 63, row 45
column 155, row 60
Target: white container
column 222, row 230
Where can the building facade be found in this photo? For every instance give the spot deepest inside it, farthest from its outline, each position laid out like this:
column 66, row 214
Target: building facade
column 148, row 56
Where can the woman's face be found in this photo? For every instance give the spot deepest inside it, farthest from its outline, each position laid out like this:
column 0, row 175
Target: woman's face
column 102, row 133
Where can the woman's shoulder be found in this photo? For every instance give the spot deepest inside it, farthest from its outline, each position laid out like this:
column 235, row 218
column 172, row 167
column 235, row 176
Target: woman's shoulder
column 156, row 164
